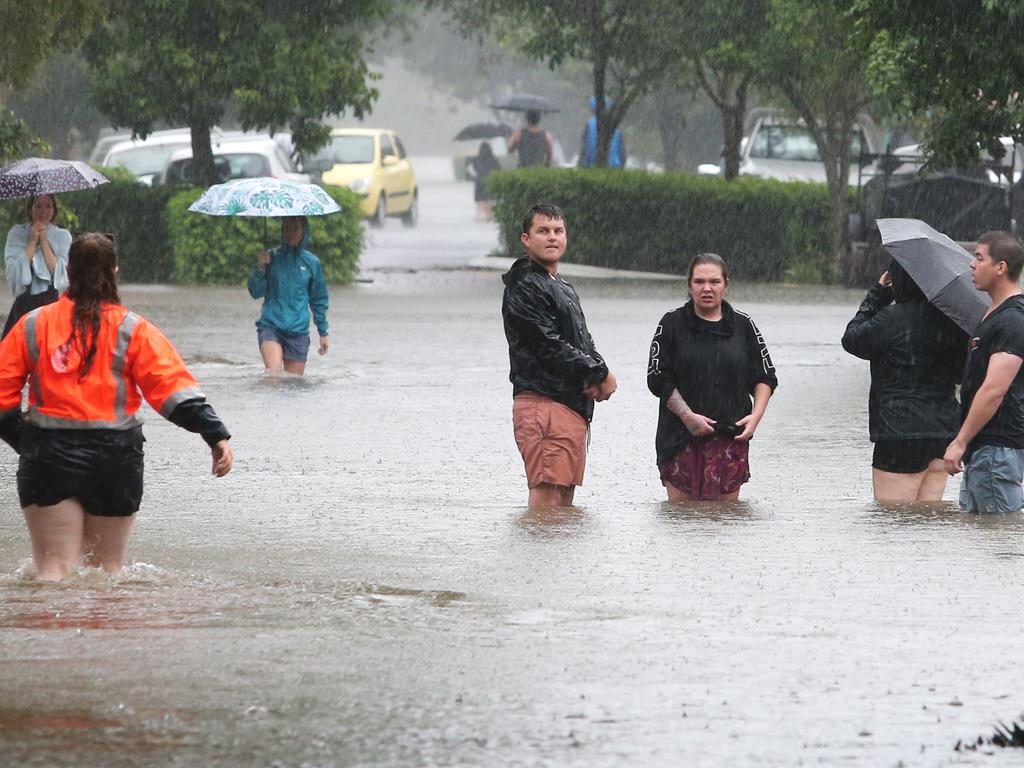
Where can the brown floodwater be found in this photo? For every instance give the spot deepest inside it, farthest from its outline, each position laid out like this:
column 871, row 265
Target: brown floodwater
column 367, row 587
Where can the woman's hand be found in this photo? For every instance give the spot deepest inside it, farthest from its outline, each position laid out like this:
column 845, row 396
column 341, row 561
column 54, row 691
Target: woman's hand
column 749, row 424
column 885, row 281
column 263, row 260
column 699, row 426
column 323, row 345
column 222, row 458
column 36, row 233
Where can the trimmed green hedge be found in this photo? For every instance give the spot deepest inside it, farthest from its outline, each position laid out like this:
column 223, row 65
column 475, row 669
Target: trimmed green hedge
column 222, row 249
column 136, row 215
column 159, row 241
column 658, row 222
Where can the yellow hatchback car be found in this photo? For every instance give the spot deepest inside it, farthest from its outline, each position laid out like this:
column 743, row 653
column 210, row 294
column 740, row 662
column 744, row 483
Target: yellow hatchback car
column 373, row 163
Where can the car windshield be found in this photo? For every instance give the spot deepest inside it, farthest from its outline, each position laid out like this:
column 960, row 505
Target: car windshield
column 227, row 167
column 793, row 142
column 142, row 160
column 349, row 149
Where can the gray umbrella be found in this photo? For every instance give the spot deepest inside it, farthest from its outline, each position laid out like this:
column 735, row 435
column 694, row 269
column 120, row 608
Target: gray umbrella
column 43, row 176
column 525, row 102
column 940, row 267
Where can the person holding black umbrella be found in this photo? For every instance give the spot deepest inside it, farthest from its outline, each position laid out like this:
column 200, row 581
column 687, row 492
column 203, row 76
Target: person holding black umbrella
column 478, row 169
column 36, row 256
column 533, row 143
column 989, row 447
column 917, row 356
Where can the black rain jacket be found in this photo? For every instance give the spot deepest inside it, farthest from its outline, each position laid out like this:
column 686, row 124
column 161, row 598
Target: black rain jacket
column 550, row 350
column 917, row 356
column 715, row 366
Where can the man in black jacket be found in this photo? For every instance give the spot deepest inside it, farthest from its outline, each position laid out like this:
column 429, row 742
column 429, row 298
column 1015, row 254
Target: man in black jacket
column 556, row 372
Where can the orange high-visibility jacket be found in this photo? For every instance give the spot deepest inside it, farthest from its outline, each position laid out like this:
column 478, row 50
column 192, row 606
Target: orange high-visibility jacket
column 133, row 360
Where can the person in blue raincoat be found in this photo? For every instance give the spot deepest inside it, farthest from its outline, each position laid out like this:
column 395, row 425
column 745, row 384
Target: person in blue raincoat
column 588, row 144
column 291, row 282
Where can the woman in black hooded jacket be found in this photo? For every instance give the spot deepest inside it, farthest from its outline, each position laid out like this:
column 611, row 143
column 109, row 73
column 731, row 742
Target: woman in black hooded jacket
column 917, row 356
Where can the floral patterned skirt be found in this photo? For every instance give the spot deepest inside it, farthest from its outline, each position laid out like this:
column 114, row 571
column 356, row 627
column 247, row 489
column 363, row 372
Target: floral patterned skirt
column 707, row 468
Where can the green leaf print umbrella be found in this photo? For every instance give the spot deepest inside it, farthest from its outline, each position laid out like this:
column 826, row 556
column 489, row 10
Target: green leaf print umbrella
column 267, row 197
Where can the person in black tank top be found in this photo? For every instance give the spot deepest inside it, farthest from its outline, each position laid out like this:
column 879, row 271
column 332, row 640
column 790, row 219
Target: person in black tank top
column 532, row 143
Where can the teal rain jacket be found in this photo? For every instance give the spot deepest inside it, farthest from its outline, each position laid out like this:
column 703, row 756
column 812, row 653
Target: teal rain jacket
column 291, row 285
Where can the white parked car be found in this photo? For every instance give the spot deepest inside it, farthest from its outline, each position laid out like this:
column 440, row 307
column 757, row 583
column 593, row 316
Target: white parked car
column 235, row 156
column 777, row 146
column 146, row 157
column 908, row 159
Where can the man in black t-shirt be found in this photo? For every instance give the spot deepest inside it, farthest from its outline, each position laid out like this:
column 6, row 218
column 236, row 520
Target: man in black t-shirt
column 991, row 439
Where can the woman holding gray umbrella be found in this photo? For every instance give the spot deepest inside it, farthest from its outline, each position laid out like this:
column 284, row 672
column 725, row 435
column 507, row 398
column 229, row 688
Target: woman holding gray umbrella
column 917, row 356
column 36, row 255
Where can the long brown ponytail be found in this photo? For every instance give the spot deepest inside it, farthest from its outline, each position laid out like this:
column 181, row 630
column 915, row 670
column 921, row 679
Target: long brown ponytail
column 92, row 274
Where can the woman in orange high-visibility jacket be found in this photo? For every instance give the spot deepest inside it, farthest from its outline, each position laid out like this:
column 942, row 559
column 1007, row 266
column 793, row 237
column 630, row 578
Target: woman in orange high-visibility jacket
column 90, row 362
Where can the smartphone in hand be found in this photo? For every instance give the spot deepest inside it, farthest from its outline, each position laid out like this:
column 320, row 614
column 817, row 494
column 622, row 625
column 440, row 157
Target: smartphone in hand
column 727, row 430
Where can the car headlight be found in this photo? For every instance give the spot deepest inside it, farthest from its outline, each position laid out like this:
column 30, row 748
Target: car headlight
column 361, row 185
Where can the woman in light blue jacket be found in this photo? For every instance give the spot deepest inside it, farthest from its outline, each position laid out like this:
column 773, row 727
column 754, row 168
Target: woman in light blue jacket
column 36, row 256
column 291, row 282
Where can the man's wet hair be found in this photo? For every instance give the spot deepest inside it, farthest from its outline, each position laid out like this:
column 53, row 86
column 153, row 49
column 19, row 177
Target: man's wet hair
column 532, row 117
column 1005, row 246
column 550, row 210
column 707, row 258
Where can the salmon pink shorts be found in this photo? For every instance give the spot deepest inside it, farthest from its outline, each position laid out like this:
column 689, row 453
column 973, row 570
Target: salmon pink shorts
column 707, row 468
column 552, row 439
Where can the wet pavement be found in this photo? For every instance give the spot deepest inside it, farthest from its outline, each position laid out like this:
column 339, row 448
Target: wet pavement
column 367, row 587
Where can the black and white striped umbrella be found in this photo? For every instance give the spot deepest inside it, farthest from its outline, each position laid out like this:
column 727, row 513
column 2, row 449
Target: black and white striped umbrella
column 42, row 176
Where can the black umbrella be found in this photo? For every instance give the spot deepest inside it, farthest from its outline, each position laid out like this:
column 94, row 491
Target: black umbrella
column 940, row 267
column 42, row 176
column 525, row 102
column 483, row 131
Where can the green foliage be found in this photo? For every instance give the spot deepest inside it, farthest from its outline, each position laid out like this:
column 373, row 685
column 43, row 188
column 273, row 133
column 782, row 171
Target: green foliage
column 634, row 220
column 135, row 214
column 628, row 44
column 278, row 64
column 17, row 140
column 958, row 63
column 222, row 249
column 159, row 241
column 117, row 174
column 30, row 32
column 56, row 105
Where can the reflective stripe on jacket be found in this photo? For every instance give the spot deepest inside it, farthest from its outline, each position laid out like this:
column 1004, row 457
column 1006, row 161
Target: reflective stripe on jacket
column 133, row 360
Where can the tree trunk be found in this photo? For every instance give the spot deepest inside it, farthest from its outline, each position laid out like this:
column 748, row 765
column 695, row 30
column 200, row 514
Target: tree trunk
column 603, row 135
column 732, row 103
column 732, row 126
column 670, row 127
column 835, row 155
column 204, row 174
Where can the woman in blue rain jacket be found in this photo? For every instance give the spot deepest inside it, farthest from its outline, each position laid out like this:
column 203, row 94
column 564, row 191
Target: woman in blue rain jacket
column 291, row 282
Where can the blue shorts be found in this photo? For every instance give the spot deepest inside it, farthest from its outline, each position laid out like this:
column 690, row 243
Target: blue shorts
column 294, row 346
column 992, row 480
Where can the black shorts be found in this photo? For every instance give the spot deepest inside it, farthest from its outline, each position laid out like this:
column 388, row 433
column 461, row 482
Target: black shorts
column 101, row 468
column 908, row 457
